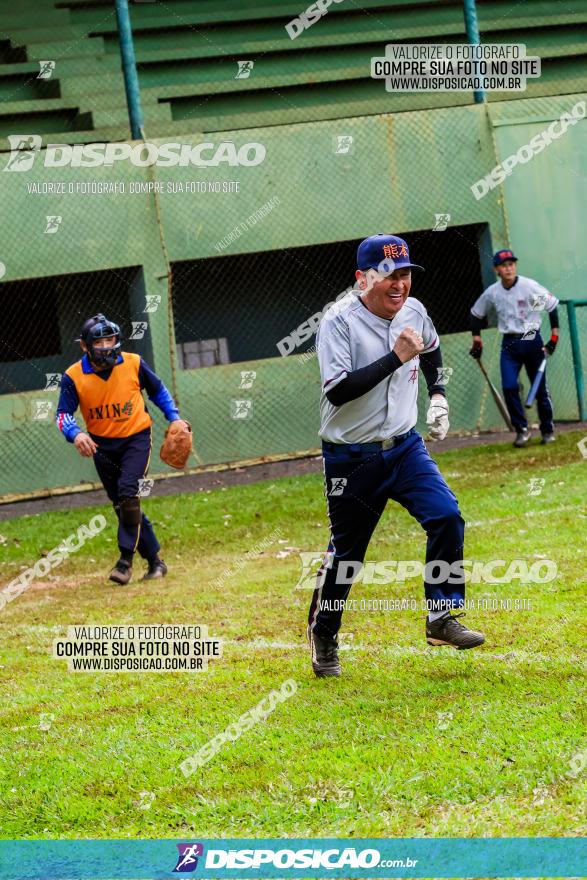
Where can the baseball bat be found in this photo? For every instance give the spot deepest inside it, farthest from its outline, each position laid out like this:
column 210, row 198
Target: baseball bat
column 497, row 398
column 537, row 380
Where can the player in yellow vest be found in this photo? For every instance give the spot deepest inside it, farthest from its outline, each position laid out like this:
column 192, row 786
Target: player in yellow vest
column 107, row 385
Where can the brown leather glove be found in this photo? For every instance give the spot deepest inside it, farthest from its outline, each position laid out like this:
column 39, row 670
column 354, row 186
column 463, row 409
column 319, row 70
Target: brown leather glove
column 177, row 445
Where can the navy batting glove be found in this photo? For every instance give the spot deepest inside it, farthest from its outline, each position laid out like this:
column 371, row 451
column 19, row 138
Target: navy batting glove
column 477, row 350
column 551, row 345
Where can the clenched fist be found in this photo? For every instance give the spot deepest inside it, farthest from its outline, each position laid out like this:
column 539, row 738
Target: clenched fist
column 408, row 344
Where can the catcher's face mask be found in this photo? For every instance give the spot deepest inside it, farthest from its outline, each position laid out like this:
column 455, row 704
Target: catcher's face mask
column 100, row 328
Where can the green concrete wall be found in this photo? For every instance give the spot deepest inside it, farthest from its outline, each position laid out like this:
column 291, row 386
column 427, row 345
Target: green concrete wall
column 546, row 198
column 404, row 169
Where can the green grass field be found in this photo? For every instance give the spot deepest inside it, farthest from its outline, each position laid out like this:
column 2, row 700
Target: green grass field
column 411, row 741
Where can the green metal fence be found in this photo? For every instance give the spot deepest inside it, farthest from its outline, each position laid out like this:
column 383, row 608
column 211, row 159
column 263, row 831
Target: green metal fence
column 575, row 340
column 252, row 290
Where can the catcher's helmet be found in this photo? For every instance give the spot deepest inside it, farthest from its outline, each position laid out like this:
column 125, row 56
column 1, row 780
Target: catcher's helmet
column 99, row 327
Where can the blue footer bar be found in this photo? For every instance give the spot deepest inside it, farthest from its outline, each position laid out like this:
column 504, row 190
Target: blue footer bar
column 292, row 857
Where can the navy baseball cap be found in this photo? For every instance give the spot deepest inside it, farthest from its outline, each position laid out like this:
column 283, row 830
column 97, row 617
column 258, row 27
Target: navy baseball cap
column 385, row 253
column 502, row 256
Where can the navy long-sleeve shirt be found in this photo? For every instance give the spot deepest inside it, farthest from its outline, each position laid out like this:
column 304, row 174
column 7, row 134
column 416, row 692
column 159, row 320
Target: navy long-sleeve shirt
column 69, row 400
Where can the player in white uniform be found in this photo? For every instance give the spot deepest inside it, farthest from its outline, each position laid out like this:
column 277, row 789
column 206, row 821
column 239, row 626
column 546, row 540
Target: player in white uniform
column 519, row 303
column 370, row 346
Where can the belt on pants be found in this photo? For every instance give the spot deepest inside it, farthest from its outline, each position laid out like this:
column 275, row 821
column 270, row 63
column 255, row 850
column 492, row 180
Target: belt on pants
column 361, row 448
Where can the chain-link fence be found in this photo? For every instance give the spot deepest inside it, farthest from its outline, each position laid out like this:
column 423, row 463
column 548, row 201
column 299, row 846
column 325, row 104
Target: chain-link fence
column 246, row 370
column 219, row 275
column 41, row 322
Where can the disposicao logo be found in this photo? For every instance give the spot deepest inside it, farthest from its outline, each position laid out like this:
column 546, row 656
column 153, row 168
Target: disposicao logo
column 187, row 859
column 24, row 148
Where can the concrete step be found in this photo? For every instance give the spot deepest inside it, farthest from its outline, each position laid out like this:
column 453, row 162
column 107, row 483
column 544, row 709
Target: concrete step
column 102, row 82
column 36, row 34
column 66, row 67
column 89, row 49
column 105, row 135
column 49, row 105
column 50, row 115
column 41, row 122
column 23, row 18
column 155, row 114
column 26, row 87
column 211, row 78
column 388, row 29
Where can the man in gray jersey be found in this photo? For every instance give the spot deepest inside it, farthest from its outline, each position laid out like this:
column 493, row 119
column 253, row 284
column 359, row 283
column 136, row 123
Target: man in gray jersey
column 370, row 347
column 519, row 303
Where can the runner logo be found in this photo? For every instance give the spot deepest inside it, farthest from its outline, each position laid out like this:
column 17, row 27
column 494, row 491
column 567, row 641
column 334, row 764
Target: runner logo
column 53, row 223
column 441, row 222
column 244, row 69
column 53, row 381
column 152, row 302
column 312, row 564
column 337, row 485
column 247, row 378
column 42, row 410
column 145, row 487
column 343, row 143
column 241, row 409
column 23, row 149
column 531, row 328
column 539, row 300
column 46, row 69
column 188, row 855
column 139, row 328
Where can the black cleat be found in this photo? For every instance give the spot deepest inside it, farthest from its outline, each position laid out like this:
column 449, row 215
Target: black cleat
column 548, row 438
column 157, row 569
column 448, row 630
column 324, row 655
column 122, row 572
column 522, row 438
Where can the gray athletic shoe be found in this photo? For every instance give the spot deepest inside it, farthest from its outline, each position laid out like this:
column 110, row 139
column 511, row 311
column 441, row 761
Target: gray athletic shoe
column 448, row 630
column 548, row 438
column 156, row 569
column 522, row 438
column 324, row 655
column 121, row 573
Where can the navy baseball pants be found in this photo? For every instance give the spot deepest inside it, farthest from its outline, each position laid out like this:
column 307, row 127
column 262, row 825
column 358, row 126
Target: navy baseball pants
column 121, row 462
column 515, row 354
column 404, row 473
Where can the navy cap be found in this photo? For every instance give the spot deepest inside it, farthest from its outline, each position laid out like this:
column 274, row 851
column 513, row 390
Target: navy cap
column 502, row 256
column 385, row 253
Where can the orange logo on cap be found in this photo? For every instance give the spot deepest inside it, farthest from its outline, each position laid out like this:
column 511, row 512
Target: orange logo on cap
column 394, row 251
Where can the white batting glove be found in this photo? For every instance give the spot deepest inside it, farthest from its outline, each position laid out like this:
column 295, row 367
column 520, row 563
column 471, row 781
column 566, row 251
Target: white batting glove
column 437, row 417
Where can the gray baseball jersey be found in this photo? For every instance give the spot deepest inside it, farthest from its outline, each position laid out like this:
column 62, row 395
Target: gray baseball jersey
column 518, row 309
column 351, row 337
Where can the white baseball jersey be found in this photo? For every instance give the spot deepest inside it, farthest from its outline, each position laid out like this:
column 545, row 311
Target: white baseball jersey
column 351, row 337
column 518, row 309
